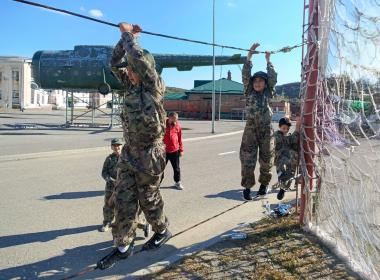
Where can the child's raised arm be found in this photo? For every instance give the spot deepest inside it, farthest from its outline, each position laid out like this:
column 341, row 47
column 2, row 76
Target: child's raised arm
column 246, row 72
column 272, row 75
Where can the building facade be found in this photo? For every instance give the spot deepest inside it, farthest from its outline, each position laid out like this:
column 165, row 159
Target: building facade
column 17, row 90
column 230, row 101
column 16, row 85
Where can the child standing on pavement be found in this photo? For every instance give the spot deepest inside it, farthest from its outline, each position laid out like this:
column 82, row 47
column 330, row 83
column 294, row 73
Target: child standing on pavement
column 174, row 146
column 109, row 174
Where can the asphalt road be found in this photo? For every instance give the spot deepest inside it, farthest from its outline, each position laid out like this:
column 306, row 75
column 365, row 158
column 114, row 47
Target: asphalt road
column 45, row 134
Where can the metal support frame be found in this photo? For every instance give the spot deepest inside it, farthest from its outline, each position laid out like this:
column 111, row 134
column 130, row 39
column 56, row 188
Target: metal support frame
column 311, row 78
column 93, row 109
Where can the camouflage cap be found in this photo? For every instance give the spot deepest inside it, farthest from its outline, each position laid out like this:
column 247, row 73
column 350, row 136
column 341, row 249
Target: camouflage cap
column 116, row 141
column 284, row 121
column 260, row 74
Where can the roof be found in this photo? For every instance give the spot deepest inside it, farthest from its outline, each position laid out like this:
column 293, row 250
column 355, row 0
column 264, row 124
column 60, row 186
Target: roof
column 15, row 59
column 223, row 86
column 175, row 96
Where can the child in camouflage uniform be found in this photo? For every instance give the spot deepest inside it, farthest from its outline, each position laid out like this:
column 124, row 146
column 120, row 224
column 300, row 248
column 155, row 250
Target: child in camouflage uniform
column 142, row 158
column 109, row 174
column 257, row 137
column 286, row 154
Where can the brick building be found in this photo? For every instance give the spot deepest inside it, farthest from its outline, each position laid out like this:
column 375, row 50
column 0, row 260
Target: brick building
column 230, row 102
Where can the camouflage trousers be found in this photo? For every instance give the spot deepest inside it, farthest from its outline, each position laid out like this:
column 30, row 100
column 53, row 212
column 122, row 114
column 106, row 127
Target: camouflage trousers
column 286, row 164
column 136, row 190
column 109, row 208
column 257, row 141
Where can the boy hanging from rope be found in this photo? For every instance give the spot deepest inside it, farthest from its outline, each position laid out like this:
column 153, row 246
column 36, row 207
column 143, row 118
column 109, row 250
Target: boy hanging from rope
column 142, row 159
column 286, row 154
column 257, row 136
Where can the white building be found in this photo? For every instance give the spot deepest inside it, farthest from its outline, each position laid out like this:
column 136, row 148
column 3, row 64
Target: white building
column 16, row 84
column 16, row 89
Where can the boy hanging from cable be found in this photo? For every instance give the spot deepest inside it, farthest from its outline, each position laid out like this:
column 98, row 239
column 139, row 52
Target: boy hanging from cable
column 286, row 154
column 257, row 136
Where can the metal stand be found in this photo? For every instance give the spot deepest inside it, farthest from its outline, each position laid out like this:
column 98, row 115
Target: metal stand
column 112, row 112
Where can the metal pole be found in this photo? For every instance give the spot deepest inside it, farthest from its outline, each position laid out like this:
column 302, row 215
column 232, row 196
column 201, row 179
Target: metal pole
column 213, row 68
column 67, row 105
column 72, row 108
column 111, row 125
column 220, row 99
column 93, row 114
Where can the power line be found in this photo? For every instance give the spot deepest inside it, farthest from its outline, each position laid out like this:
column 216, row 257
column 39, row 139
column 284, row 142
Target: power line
column 284, row 49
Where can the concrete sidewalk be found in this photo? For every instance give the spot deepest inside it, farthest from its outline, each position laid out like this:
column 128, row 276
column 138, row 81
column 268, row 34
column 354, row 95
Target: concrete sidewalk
column 188, row 242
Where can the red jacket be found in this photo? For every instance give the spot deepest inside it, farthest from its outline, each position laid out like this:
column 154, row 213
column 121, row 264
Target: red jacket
column 173, row 137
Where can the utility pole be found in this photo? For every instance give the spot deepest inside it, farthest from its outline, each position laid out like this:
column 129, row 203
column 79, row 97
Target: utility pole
column 213, row 69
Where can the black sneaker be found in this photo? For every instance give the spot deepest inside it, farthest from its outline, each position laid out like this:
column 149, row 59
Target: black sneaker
column 115, row 255
column 262, row 190
column 247, row 194
column 281, row 194
column 157, row 240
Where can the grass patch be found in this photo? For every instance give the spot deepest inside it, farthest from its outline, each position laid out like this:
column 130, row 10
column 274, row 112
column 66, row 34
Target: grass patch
column 274, row 249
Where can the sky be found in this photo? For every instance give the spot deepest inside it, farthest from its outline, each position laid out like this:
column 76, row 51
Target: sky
column 272, row 23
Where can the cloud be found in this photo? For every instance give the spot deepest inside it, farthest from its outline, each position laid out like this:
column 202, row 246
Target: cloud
column 95, row 13
column 82, row 9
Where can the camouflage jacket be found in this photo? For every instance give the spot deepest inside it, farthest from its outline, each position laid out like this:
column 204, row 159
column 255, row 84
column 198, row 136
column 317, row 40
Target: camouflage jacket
column 285, row 145
column 143, row 116
column 143, row 112
column 258, row 102
column 109, row 167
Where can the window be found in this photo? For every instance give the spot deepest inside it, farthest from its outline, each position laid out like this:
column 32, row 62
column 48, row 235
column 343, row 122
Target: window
column 15, row 94
column 15, row 76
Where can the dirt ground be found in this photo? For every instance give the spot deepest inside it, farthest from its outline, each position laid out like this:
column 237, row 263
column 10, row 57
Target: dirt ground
column 274, row 249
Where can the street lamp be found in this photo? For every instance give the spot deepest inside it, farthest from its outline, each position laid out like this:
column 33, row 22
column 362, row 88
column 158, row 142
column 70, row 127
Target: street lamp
column 213, row 69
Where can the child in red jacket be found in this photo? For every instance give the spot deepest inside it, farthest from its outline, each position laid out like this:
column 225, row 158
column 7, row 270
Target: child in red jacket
column 174, row 147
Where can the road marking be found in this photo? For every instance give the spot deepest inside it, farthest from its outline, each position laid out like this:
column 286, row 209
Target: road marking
column 226, row 153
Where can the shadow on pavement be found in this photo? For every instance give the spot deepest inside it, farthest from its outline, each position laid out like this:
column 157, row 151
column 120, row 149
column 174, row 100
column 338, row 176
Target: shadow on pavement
column 231, row 194
column 44, row 236
column 74, row 195
column 24, row 133
column 169, row 187
column 72, row 261
column 77, row 259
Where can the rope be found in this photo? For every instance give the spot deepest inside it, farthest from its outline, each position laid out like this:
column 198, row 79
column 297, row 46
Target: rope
column 83, row 272
column 284, row 49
